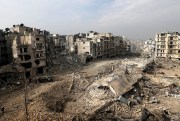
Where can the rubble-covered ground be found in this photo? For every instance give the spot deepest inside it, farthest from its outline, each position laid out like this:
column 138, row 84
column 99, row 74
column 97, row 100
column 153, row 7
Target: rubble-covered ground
column 109, row 90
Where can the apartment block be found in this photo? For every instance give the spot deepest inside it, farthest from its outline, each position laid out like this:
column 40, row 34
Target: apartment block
column 70, row 43
column 58, row 43
column 28, row 49
column 167, row 45
column 149, row 48
column 3, row 49
column 101, row 45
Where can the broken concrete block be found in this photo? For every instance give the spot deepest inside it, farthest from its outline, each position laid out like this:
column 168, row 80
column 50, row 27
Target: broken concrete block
column 123, row 100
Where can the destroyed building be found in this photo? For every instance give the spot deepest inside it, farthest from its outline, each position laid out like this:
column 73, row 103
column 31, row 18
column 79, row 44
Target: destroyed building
column 149, row 48
column 58, row 43
column 3, row 49
column 167, row 45
column 70, row 43
column 101, row 45
column 27, row 48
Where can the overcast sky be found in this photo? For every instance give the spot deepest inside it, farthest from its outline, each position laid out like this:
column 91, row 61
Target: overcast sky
column 135, row 19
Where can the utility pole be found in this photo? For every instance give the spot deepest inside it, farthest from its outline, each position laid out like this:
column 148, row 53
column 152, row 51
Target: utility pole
column 25, row 97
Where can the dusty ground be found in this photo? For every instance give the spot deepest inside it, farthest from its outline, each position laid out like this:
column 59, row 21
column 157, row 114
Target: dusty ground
column 90, row 93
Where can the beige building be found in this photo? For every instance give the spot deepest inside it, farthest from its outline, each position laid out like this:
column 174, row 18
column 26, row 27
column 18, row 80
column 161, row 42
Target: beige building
column 84, row 46
column 167, row 45
column 101, row 45
column 70, row 42
column 28, row 49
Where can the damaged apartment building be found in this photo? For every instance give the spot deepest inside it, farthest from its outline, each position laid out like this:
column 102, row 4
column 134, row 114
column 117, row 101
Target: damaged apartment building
column 28, row 50
column 167, row 45
column 101, row 45
column 3, row 49
column 57, row 43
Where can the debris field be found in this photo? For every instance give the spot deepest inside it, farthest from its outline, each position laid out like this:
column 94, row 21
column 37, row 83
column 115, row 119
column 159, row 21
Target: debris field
column 129, row 89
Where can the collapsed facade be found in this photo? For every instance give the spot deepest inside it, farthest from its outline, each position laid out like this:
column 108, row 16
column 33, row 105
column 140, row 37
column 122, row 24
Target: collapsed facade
column 28, row 49
column 167, row 45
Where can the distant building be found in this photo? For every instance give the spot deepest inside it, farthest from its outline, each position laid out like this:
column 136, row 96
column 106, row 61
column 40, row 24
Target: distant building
column 149, row 48
column 84, row 46
column 101, row 45
column 167, row 45
column 58, row 43
column 70, row 43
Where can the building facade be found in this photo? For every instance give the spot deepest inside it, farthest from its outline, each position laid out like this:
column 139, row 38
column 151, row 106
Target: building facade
column 3, row 49
column 58, row 43
column 167, row 45
column 70, row 43
column 149, row 48
column 101, row 45
column 28, row 50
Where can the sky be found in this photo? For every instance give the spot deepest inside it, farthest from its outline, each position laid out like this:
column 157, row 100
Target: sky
column 135, row 19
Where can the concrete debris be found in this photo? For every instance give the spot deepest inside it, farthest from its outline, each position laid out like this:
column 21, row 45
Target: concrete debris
column 100, row 91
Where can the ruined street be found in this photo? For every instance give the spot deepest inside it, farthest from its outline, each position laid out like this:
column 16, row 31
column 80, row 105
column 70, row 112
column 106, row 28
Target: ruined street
column 126, row 89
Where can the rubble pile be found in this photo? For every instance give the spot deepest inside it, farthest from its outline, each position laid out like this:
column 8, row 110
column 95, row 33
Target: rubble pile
column 62, row 63
column 56, row 98
column 10, row 78
column 99, row 101
column 111, row 91
column 150, row 67
column 143, row 95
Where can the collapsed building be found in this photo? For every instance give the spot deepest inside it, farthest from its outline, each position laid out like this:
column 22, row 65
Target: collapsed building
column 27, row 49
column 167, row 45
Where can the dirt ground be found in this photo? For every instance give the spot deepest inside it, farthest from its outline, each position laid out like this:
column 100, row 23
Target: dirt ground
column 91, row 93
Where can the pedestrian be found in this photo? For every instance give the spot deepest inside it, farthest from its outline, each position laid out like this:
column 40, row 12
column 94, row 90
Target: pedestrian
column 2, row 109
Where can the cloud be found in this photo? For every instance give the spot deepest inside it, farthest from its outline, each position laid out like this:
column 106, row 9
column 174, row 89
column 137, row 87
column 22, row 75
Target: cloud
column 138, row 19
column 142, row 18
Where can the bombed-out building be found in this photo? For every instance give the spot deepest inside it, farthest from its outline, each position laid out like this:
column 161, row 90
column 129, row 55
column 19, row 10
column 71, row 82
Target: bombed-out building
column 70, row 43
column 101, row 45
column 28, row 49
column 3, row 49
column 58, row 43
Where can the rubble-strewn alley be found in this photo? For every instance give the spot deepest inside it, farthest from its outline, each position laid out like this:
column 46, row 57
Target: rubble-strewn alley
column 110, row 90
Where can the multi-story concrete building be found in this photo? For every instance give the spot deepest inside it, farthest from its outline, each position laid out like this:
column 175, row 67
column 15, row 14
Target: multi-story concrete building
column 3, row 49
column 167, row 45
column 84, row 46
column 101, row 45
column 58, row 43
column 70, row 43
column 149, row 48
column 28, row 49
